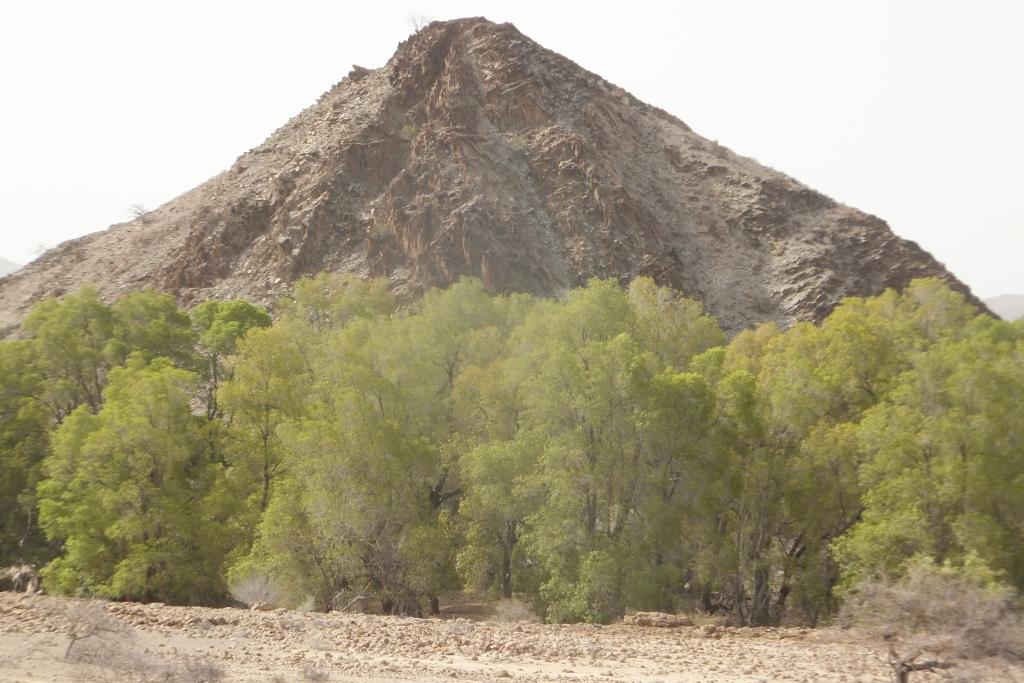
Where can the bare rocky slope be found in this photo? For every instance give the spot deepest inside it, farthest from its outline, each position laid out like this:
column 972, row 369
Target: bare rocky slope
column 475, row 151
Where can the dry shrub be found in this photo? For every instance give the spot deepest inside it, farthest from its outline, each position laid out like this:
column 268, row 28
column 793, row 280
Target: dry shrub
column 256, row 589
column 952, row 616
column 308, row 604
column 511, row 610
column 311, row 673
column 353, row 601
column 94, row 636
column 104, row 644
column 197, row 670
column 459, row 627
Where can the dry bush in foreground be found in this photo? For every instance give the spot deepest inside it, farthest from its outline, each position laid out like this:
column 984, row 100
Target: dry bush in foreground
column 256, row 589
column 99, row 641
column 312, row 673
column 94, row 636
column 197, row 670
column 510, row 610
column 939, row 618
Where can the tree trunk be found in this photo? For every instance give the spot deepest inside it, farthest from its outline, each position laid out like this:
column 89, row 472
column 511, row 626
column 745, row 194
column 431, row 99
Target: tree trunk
column 760, row 611
column 265, row 494
column 591, row 513
column 507, row 546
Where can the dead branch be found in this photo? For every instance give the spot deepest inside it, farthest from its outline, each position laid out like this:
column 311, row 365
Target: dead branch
column 902, row 667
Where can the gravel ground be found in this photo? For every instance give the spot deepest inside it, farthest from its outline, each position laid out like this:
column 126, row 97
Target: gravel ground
column 44, row 638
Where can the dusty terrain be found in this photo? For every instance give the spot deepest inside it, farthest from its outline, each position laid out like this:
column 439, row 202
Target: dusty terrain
column 475, row 151
column 126, row 641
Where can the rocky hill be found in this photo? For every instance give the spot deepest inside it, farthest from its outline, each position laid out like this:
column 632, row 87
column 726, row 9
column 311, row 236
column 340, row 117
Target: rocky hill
column 475, row 151
column 8, row 267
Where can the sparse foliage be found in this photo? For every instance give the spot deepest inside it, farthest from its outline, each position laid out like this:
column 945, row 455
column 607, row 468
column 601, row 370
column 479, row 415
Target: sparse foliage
column 139, row 212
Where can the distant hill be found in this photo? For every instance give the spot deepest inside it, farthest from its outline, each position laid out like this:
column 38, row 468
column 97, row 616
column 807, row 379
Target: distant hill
column 7, row 267
column 1007, row 306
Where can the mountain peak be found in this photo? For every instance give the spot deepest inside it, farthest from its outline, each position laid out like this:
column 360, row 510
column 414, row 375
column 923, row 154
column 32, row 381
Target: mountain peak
column 475, row 151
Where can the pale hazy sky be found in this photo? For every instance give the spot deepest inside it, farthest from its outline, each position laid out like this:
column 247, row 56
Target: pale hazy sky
column 913, row 111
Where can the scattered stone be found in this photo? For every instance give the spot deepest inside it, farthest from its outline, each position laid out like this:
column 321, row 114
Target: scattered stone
column 656, row 619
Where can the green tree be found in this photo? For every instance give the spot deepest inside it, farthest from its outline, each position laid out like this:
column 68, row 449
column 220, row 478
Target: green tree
column 813, row 385
column 125, row 492
column 944, row 473
column 153, row 325
column 500, row 495
column 581, row 371
column 671, row 326
column 338, row 522
column 24, row 442
column 219, row 326
column 271, row 382
column 71, row 337
column 329, row 301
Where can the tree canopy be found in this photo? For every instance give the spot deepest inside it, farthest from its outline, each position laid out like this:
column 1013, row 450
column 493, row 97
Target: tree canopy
column 606, row 452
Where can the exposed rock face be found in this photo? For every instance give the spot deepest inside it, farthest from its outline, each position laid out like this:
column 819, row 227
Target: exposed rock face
column 475, row 151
